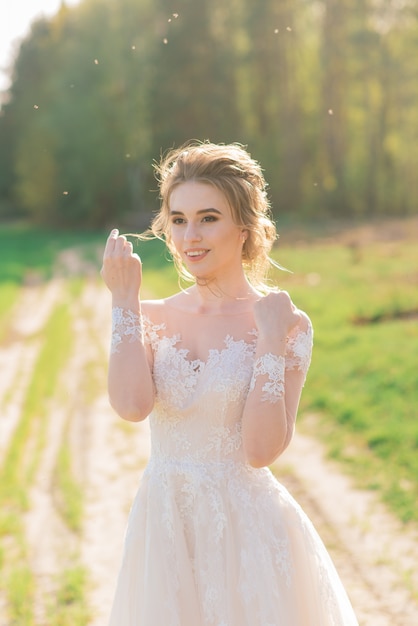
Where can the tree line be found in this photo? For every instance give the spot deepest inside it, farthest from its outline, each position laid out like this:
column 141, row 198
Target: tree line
column 323, row 93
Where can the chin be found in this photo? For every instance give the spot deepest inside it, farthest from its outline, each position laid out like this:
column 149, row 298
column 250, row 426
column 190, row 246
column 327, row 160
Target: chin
column 203, row 279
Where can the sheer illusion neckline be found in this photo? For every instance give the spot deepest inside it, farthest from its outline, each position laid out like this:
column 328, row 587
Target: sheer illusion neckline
column 158, row 336
column 208, row 313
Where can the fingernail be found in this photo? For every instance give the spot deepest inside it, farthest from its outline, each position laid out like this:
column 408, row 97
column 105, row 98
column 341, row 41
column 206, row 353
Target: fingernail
column 114, row 231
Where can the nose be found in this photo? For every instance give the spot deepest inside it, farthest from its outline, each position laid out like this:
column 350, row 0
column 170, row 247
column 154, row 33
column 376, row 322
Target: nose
column 192, row 232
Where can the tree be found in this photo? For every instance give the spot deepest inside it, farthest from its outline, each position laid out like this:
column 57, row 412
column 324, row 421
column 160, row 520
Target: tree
column 323, row 93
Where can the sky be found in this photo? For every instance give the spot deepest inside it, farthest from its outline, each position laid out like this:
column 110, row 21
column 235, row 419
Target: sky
column 15, row 20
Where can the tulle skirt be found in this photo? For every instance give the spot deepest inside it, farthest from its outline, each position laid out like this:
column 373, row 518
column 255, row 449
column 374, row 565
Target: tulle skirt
column 223, row 544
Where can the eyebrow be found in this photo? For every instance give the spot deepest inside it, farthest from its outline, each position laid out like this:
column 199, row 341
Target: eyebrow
column 198, row 212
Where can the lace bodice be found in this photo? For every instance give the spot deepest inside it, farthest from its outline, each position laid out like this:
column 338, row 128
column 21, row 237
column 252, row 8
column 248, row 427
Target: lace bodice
column 199, row 403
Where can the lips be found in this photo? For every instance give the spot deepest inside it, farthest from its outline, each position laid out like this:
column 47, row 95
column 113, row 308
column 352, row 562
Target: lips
column 196, row 254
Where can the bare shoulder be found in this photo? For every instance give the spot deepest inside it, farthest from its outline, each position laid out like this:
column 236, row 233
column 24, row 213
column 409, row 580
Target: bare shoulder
column 153, row 309
column 304, row 325
column 156, row 310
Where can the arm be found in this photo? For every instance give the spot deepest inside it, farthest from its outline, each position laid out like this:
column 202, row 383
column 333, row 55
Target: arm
column 130, row 384
column 279, row 373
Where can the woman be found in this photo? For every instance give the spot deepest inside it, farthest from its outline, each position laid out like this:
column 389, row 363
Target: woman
column 213, row 539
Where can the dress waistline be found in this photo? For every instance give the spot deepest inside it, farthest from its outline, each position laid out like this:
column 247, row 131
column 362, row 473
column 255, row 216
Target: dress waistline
column 209, row 468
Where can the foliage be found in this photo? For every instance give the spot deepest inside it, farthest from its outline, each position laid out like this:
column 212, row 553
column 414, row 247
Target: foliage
column 322, row 92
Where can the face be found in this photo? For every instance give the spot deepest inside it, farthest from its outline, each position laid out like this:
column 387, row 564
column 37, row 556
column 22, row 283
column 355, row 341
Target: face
column 203, row 231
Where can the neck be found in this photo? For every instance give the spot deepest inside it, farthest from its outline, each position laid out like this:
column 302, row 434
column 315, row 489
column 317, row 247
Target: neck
column 215, row 296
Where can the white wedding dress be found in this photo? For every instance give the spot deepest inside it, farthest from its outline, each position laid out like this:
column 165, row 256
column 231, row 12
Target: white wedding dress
column 210, row 540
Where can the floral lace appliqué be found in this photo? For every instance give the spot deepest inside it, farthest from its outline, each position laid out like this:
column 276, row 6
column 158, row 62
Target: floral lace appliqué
column 299, row 350
column 125, row 323
column 272, row 366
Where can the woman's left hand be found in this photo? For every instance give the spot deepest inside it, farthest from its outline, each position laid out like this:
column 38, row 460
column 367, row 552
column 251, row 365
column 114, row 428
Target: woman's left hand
column 275, row 315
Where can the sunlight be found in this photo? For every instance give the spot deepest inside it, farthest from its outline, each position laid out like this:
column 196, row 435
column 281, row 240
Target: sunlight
column 15, row 21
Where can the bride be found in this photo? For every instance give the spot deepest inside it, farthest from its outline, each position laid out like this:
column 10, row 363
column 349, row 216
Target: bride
column 213, row 539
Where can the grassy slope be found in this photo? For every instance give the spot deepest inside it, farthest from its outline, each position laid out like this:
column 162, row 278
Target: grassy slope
column 362, row 383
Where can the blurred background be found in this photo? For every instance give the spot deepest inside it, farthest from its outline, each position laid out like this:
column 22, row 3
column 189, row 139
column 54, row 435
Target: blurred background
column 323, row 92
column 325, row 95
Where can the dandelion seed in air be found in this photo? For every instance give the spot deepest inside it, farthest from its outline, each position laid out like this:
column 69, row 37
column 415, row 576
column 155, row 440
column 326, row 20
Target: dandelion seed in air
column 133, row 47
column 65, row 193
column 165, row 41
column 276, row 30
column 35, row 106
column 175, row 15
column 96, row 62
column 288, row 29
column 330, row 112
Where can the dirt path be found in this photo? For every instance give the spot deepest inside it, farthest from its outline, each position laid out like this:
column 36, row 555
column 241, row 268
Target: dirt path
column 116, row 453
column 374, row 553
column 375, row 556
column 19, row 351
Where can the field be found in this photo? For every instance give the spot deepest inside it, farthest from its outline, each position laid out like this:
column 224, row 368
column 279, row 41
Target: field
column 361, row 291
column 69, row 467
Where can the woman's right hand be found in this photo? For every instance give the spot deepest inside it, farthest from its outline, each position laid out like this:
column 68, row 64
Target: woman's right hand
column 121, row 269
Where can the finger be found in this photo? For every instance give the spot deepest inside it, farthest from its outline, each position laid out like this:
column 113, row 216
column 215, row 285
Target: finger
column 120, row 244
column 113, row 234
column 127, row 249
column 110, row 243
column 111, row 240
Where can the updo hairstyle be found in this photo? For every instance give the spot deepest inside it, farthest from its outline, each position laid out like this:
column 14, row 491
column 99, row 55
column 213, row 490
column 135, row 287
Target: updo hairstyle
column 230, row 169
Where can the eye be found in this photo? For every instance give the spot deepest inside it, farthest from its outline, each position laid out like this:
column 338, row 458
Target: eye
column 210, row 218
column 178, row 220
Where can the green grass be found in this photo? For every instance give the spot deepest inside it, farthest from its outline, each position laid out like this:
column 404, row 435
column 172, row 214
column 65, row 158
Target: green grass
column 69, row 494
column 28, row 254
column 362, row 382
column 21, row 586
column 69, row 607
column 159, row 275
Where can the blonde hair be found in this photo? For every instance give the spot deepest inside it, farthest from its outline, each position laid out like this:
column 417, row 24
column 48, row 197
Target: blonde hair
column 230, row 169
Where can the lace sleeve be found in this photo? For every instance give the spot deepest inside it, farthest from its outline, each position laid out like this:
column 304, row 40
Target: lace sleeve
column 125, row 323
column 299, row 347
column 273, row 367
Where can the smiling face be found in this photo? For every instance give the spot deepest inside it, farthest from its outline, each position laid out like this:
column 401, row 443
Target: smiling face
column 203, row 232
